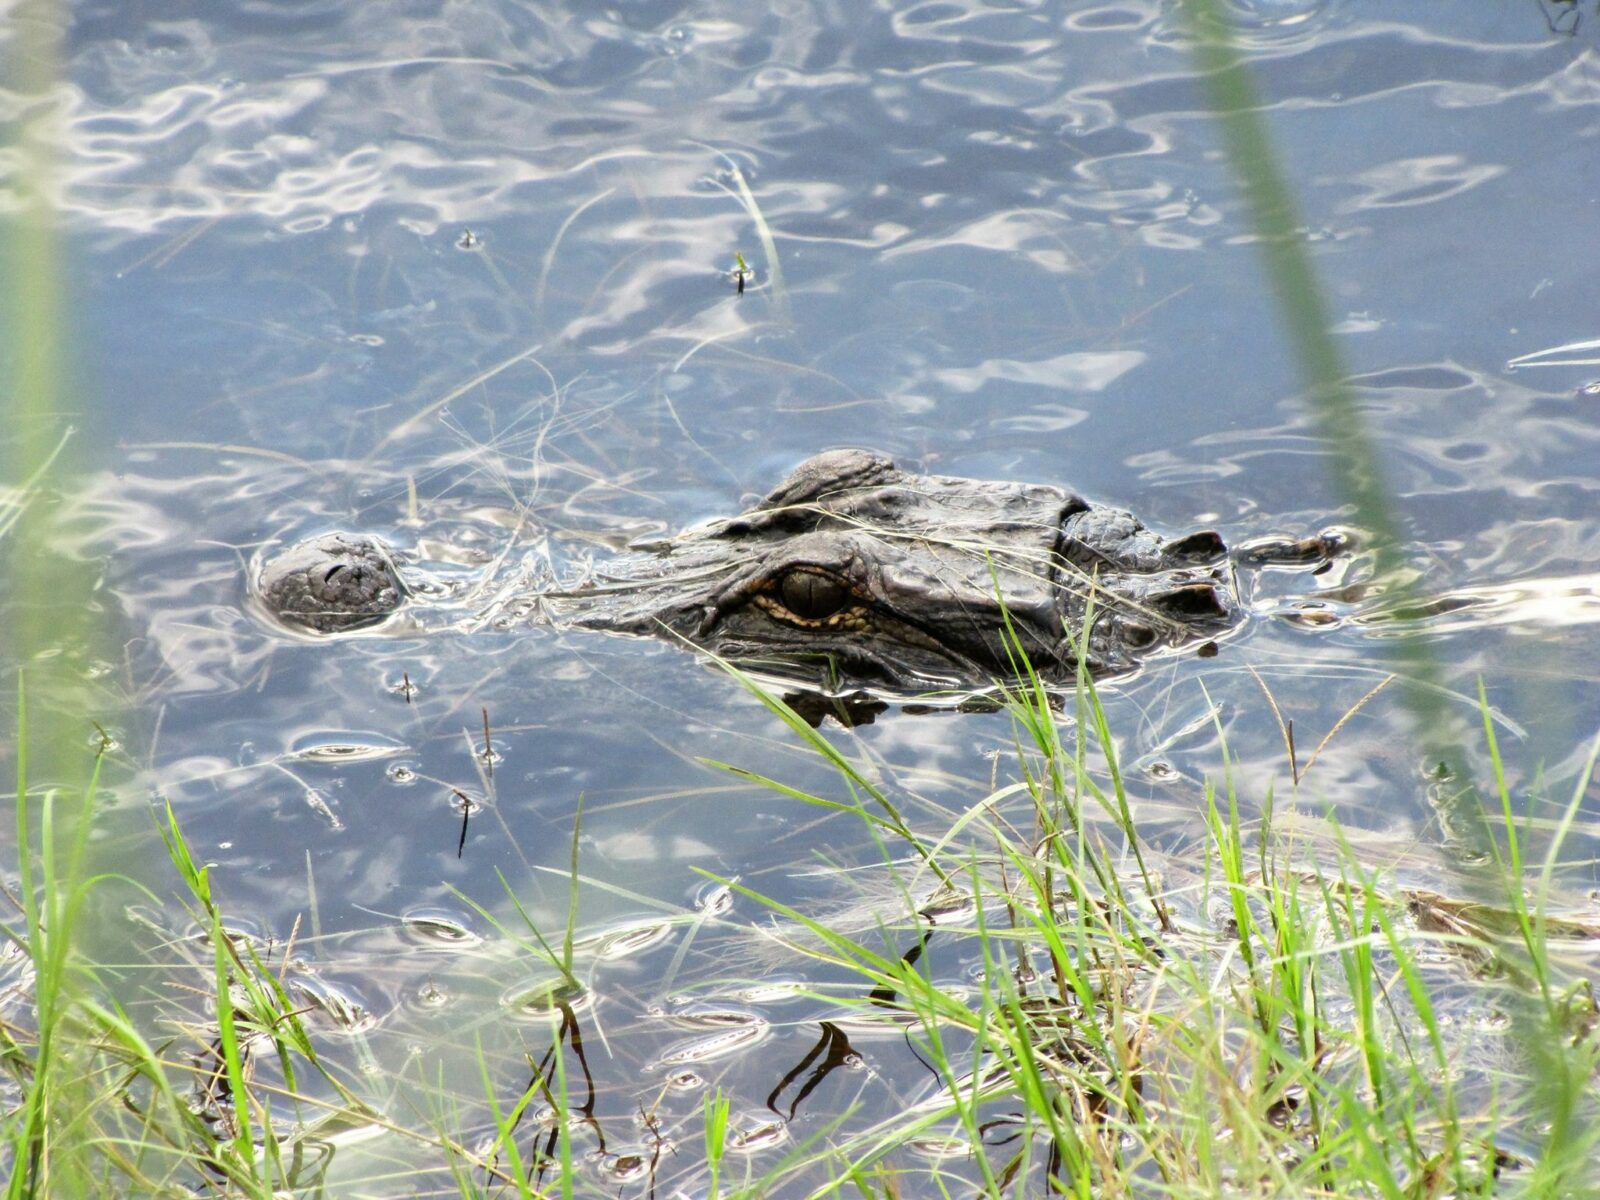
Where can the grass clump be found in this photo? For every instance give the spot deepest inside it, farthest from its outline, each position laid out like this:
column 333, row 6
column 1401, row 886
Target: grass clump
column 1259, row 1015
column 101, row 1109
column 1056, row 1007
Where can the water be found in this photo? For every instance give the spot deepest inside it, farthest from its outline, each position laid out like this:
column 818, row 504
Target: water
column 459, row 274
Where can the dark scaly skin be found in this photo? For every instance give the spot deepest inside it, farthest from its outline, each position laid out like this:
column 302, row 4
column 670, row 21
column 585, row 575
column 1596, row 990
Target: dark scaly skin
column 335, row 583
column 853, row 573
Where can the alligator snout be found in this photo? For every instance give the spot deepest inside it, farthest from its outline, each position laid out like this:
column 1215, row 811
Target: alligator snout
column 334, row 583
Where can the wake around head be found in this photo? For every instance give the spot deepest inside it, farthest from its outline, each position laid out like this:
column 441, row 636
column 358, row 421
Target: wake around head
column 854, row 574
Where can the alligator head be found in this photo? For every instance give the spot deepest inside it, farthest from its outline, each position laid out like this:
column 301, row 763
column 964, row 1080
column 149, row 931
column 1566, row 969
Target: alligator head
column 855, row 574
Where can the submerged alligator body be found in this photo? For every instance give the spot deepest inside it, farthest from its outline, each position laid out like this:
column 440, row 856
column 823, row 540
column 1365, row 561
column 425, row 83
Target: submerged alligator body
column 853, row 574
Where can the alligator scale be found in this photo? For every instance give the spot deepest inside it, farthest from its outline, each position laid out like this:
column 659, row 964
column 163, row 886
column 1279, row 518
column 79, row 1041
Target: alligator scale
column 855, row 574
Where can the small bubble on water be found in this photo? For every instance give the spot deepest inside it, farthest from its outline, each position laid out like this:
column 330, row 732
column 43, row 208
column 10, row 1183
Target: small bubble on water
column 547, row 997
column 717, row 1045
column 626, row 1167
column 716, row 1018
column 1267, row 14
column 342, row 752
column 437, row 929
column 673, row 42
column 1590, row 391
column 630, row 940
column 770, row 992
column 431, row 995
column 939, row 1147
column 714, row 899
column 759, row 1137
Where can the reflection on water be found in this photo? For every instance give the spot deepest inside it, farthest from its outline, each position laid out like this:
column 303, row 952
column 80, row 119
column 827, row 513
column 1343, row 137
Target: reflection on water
column 458, row 276
column 1532, row 606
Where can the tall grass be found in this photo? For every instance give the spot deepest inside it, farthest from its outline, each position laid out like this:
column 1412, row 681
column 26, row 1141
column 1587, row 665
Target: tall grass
column 1266, row 1022
column 1253, row 1014
column 1488, row 867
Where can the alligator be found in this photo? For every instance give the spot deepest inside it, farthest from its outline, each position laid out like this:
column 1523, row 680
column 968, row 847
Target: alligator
column 856, row 576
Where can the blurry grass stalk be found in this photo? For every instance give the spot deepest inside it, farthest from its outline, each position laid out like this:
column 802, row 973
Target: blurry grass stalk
column 1560, row 1074
column 50, row 627
column 32, row 341
column 1350, row 450
column 59, row 1060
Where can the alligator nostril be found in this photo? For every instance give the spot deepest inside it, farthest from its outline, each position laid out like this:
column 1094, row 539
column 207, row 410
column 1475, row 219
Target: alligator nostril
column 1202, row 547
column 1137, row 636
column 1193, row 600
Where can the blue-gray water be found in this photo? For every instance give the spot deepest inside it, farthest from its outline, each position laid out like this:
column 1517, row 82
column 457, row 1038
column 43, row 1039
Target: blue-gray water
column 458, row 273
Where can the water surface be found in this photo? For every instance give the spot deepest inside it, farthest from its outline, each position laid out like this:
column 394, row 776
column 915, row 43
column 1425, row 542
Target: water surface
column 458, row 274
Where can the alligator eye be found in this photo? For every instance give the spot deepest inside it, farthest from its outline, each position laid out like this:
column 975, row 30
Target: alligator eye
column 810, row 596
